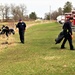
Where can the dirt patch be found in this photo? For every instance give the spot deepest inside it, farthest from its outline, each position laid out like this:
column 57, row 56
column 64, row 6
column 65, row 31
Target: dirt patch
column 51, row 57
column 6, row 42
column 42, row 22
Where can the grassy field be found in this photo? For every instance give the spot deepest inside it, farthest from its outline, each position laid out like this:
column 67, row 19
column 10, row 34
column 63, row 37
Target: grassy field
column 39, row 55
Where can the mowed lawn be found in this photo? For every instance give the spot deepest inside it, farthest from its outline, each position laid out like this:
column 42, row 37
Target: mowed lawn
column 39, row 55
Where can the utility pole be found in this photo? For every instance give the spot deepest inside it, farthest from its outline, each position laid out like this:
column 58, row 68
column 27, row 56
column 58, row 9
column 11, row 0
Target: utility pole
column 50, row 11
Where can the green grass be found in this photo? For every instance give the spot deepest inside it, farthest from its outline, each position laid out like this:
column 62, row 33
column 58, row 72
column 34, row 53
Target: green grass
column 39, row 55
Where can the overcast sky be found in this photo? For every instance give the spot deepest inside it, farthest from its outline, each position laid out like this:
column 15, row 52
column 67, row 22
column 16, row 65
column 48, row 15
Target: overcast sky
column 39, row 6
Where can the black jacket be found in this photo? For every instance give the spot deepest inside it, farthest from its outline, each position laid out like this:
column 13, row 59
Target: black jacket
column 21, row 26
column 67, row 28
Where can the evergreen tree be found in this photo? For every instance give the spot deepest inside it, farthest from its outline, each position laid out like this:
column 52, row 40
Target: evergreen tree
column 67, row 7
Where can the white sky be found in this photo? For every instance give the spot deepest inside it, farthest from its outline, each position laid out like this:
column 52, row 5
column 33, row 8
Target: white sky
column 39, row 6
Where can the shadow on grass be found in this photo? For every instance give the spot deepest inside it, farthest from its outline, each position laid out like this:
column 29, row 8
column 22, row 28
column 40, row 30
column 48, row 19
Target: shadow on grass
column 9, row 43
column 3, row 43
column 55, row 48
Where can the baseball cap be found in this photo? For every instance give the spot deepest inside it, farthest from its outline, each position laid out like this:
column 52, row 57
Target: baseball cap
column 20, row 19
column 71, row 18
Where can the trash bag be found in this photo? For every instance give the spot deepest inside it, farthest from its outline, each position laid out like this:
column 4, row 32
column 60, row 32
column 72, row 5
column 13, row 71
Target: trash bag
column 59, row 38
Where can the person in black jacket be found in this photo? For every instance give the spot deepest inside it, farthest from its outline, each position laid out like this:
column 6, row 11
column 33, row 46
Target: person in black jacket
column 68, row 33
column 21, row 26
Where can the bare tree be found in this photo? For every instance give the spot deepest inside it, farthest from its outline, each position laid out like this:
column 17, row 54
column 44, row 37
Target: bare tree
column 18, row 11
column 15, row 11
column 2, row 11
column 54, row 15
column 7, row 10
column 23, row 10
column 60, row 11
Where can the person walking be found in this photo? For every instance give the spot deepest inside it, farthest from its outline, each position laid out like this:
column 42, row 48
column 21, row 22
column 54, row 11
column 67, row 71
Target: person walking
column 22, row 27
column 67, row 30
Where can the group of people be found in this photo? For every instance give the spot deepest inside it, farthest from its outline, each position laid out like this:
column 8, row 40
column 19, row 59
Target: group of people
column 67, row 31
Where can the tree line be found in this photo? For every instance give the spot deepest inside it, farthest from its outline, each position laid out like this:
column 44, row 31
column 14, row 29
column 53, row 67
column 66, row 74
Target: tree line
column 14, row 12
column 61, row 11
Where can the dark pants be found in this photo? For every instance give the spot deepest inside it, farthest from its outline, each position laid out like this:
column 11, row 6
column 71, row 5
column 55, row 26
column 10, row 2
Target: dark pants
column 68, row 37
column 21, row 33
